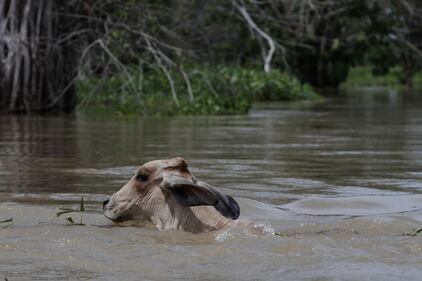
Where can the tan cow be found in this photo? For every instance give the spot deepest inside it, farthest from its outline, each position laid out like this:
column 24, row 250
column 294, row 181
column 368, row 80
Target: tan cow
column 167, row 194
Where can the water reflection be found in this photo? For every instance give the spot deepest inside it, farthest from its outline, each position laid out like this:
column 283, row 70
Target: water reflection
column 363, row 140
column 355, row 155
column 30, row 149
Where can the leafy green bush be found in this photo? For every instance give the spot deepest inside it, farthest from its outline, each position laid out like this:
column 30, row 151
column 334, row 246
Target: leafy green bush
column 215, row 90
column 362, row 76
column 418, row 80
column 273, row 86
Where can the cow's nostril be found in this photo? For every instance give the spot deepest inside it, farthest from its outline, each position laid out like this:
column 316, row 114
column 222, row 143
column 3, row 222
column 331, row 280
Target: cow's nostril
column 105, row 202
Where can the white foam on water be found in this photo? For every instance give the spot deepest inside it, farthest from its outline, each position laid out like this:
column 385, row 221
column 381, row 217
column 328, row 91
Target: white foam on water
column 356, row 205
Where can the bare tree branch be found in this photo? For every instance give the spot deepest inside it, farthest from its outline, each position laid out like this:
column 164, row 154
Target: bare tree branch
column 269, row 55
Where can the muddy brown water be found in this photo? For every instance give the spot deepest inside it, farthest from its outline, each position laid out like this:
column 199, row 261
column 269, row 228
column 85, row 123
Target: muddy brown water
column 340, row 180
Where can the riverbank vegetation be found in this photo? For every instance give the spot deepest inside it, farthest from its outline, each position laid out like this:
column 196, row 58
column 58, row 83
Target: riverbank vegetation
column 209, row 90
column 363, row 76
column 197, row 57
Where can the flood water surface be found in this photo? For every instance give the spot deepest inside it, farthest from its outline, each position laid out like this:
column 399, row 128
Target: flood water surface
column 335, row 184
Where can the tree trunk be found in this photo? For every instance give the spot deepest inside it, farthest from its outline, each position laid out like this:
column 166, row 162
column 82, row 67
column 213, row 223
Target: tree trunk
column 36, row 72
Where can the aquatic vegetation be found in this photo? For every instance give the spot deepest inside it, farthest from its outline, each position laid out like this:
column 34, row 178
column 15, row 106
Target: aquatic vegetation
column 362, row 76
column 414, row 232
column 7, row 222
column 318, row 232
column 205, row 90
column 70, row 220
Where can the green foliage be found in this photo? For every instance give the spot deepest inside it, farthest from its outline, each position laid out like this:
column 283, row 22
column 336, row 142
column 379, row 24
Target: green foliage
column 414, row 232
column 364, row 76
column 417, row 80
column 69, row 210
column 273, row 86
column 7, row 220
column 215, row 90
column 6, row 223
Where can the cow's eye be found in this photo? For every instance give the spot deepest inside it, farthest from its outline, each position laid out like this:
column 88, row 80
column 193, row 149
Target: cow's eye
column 141, row 177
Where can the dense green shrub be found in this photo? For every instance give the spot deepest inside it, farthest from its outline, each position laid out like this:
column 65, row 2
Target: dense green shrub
column 261, row 86
column 363, row 76
column 215, row 90
column 418, row 80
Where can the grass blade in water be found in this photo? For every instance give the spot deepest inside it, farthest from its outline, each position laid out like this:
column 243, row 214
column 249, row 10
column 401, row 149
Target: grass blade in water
column 8, row 220
column 82, row 208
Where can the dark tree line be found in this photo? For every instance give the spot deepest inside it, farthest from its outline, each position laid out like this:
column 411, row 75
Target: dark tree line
column 47, row 45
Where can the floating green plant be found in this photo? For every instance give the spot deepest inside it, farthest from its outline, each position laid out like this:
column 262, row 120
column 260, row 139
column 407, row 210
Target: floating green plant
column 7, row 223
column 414, row 232
column 70, row 220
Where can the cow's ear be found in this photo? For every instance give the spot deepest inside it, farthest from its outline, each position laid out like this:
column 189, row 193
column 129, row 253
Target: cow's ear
column 196, row 193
